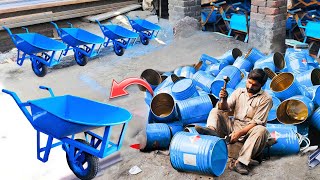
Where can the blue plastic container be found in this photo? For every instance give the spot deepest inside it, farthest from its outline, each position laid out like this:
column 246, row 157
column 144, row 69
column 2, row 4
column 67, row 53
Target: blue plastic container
column 253, row 55
column 61, row 116
column 195, row 109
column 275, row 58
column 262, row 65
column 295, row 110
column 230, row 56
column 232, row 72
column 309, row 78
column 198, row 153
column 158, row 136
column 266, row 86
column 277, row 125
column 208, row 59
column 168, row 82
column 315, row 119
column 177, row 71
column 284, row 86
column 273, row 111
column 243, row 63
column 203, row 80
column 187, row 71
column 214, row 69
column 297, row 62
column 148, row 98
column 314, row 94
column 163, row 108
column 287, row 141
column 175, row 127
column 184, row 89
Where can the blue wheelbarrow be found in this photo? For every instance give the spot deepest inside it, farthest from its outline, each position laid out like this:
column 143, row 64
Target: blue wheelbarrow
column 41, row 50
column 121, row 37
column 82, row 43
column 146, row 30
column 61, row 117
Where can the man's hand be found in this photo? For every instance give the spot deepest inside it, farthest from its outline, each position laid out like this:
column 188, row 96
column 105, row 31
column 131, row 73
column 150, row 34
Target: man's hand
column 235, row 136
column 223, row 94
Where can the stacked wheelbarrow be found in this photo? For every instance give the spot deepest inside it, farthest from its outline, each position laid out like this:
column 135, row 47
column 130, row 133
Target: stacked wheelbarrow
column 185, row 96
column 45, row 52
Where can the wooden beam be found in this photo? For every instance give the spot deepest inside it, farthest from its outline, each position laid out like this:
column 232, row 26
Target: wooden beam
column 48, row 17
column 37, row 4
column 108, row 15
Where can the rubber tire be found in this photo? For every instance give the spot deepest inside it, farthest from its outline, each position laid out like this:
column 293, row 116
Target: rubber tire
column 92, row 161
column 144, row 40
column 119, row 52
column 43, row 67
column 83, row 59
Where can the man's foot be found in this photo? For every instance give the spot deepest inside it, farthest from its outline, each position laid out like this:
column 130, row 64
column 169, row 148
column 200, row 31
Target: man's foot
column 205, row 131
column 240, row 168
column 254, row 162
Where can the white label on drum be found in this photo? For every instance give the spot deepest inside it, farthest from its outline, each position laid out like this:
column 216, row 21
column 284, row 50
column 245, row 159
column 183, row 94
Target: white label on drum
column 190, row 159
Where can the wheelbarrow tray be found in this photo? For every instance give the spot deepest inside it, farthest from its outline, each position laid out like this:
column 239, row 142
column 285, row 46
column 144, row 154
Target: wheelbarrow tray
column 76, row 37
column 31, row 43
column 144, row 25
column 61, row 116
column 118, row 32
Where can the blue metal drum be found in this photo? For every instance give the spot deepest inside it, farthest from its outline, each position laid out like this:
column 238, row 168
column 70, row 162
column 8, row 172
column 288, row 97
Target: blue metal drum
column 175, row 127
column 309, row 78
column 253, row 55
column 243, row 63
column 315, row 119
column 203, row 80
column 295, row 110
column 187, row 71
column 214, row 69
column 273, row 111
column 232, row 72
column 168, row 82
column 152, row 77
column 158, row 136
column 191, row 130
column 297, row 62
column 284, row 86
column 230, row 56
column 287, row 141
column 198, row 153
column 208, row 59
column 275, row 58
column 195, row 109
column 314, row 94
column 184, row 89
column 163, row 108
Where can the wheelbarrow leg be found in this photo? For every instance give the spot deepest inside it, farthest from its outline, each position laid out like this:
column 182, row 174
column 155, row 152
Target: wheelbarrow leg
column 45, row 149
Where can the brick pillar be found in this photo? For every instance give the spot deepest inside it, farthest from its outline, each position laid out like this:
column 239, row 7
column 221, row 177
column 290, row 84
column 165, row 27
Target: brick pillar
column 268, row 25
column 179, row 9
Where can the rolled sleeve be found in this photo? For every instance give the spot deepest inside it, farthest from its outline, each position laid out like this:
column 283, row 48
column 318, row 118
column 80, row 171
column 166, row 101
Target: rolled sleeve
column 262, row 112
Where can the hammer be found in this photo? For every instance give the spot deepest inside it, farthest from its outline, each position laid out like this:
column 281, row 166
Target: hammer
column 226, row 80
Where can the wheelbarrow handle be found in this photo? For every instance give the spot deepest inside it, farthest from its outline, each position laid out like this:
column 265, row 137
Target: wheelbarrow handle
column 48, row 89
column 20, row 104
column 57, row 28
column 10, row 34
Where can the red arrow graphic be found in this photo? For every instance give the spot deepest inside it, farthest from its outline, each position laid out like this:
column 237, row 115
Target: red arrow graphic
column 118, row 89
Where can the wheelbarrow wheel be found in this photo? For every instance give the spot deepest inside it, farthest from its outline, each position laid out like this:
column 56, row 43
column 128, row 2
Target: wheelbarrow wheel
column 144, row 40
column 80, row 58
column 39, row 68
column 118, row 50
column 86, row 166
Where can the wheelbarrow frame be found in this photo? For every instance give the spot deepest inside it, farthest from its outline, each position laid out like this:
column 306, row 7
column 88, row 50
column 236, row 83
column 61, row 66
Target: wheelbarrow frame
column 69, row 144
column 118, row 43
column 85, row 49
column 47, row 56
column 145, row 34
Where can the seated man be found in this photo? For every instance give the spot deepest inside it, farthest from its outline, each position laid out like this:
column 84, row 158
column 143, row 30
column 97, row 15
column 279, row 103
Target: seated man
column 251, row 106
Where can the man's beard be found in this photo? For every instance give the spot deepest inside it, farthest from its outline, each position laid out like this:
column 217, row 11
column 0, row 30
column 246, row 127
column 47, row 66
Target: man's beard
column 253, row 91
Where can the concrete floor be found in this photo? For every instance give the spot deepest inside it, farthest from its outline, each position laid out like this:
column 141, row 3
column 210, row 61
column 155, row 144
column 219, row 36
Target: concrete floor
column 17, row 137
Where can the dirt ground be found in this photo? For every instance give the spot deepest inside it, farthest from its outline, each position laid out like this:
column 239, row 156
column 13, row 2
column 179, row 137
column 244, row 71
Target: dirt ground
column 94, row 82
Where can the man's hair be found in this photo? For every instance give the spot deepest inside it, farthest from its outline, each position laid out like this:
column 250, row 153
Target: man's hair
column 258, row 75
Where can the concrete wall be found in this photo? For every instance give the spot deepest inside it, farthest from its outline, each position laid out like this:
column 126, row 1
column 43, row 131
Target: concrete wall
column 179, row 9
column 268, row 25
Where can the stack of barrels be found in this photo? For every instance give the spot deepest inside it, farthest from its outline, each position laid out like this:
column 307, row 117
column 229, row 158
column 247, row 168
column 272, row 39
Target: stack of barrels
column 185, row 96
